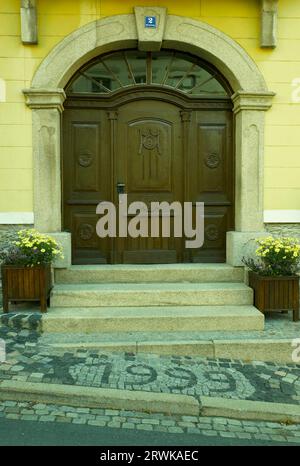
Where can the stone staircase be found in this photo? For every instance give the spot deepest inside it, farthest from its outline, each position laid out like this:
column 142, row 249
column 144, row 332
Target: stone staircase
column 151, row 298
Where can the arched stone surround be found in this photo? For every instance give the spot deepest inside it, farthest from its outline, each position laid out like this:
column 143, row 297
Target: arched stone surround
column 251, row 99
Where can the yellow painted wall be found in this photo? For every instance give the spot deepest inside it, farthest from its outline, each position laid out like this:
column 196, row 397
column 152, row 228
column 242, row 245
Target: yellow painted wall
column 240, row 19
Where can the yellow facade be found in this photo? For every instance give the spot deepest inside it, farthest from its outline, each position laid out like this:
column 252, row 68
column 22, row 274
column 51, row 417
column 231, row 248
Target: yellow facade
column 239, row 19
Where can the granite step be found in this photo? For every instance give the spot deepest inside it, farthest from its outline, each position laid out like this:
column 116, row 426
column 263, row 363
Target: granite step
column 156, row 273
column 153, row 319
column 150, row 294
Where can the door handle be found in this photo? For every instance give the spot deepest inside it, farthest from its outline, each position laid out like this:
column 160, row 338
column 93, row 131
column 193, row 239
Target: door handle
column 120, row 188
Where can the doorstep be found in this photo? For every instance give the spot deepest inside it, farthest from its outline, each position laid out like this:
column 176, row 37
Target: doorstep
column 248, row 349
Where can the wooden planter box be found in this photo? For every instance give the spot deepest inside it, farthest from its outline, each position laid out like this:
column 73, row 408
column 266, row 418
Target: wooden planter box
column 276, row 293
column 26, row 284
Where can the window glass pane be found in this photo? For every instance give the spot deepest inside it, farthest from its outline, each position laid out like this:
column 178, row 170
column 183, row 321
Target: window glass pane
column 101, row 75
column 137, row 63
column 210, row 87
column 116, row 70
column 160, row 63
column 80, row 84
column 197, row 76
column 84, row 85
column 117, row 65
column 179, row 67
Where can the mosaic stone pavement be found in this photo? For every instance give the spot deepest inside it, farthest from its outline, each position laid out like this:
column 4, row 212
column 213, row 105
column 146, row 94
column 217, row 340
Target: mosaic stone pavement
column 28, row 361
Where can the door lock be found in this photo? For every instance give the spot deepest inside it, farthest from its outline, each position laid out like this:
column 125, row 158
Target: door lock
column 120, row 188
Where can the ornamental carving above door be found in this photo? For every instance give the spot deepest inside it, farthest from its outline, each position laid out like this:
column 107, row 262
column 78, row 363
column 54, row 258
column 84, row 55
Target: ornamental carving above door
column 149, row 139
column 149, row 152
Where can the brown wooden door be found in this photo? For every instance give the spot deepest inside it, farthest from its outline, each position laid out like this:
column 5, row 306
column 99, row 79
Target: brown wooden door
column 210, row 179
column 159, row 152
column 149, row 162
column 87, row 180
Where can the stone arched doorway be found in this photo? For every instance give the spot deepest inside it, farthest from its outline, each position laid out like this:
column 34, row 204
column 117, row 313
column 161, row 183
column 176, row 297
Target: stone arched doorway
column 250, row 99
column 157, row 125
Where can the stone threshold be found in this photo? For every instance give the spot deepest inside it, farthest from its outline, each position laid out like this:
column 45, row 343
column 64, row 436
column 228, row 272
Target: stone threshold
column 268, row 350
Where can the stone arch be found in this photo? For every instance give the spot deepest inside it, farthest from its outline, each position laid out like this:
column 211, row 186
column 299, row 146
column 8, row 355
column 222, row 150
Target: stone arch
column 251, row 98
column 181, row 33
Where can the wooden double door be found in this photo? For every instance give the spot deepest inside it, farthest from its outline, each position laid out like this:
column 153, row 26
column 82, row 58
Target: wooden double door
column 153, row 151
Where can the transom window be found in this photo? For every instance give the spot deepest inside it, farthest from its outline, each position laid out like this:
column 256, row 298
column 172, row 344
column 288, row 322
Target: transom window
column 169, row 69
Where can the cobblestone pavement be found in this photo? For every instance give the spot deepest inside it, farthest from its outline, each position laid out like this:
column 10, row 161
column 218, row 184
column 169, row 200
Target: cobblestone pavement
column 27, row 360
column 208, row 426
column 21, row 320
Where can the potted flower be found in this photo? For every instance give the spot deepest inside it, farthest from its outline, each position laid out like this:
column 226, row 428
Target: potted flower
column 26, row 268
column 273, row 275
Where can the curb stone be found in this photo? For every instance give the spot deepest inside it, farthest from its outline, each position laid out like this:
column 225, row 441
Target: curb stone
column 149, row 402
column 98, row 397
column 250, row 410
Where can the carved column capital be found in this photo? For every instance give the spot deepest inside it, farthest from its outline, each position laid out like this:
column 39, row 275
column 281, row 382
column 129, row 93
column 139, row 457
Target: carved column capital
column 185, row 115
column 252, row 101
column 112, row 115
column 45, row 98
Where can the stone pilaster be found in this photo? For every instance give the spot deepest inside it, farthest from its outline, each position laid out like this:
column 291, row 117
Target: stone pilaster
column 46, row 108
column 249, row 110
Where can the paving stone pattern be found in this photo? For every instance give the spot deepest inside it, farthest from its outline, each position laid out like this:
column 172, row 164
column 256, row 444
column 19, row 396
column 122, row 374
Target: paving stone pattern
column 19, row 321
column 27, row 360
column 208, row 426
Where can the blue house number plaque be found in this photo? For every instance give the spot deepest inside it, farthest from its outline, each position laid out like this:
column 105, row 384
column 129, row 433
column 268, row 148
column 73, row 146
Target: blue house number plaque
column 150, row 21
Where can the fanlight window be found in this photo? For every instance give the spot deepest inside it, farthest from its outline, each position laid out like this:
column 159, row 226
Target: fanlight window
column 169, row 69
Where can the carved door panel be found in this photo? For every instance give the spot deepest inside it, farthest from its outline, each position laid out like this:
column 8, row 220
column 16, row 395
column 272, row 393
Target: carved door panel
column 159, row 154
column 211, row 180
column 149, row 162
column 86, row 181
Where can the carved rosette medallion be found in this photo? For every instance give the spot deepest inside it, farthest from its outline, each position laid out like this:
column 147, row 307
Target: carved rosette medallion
column 211, row 232
column 85, row 160
column 149, row 140
column 212, row 160
column 86, row 231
